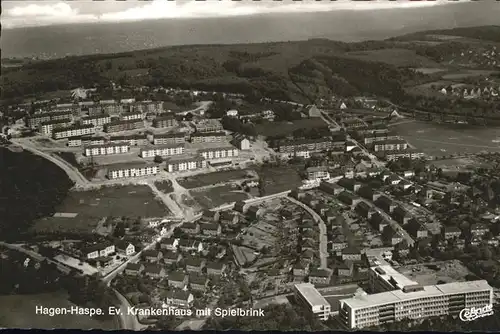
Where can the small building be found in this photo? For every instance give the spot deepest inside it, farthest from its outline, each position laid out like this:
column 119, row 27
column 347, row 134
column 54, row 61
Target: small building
column 339, row 243
column 179, row 298
column 98, row 250
column 349, row 184
column 348, row 198
column 255, row 212
column 317, row 173
column 364, row 210
column 125, row 247
column 401, row 216
column 451, row 232
column 210, row 215
column 177, row 279
column 232, row 113
column 190, row 228
column 194, row 264
column 330, row 188
column 198, row 282
column 171, row 257
column 169, row 244
column 154, row 271
column 368, row 193
column 478, row 229
column 228, row 217
column 152, row 255
column 241, row 142
column 351, row 253
column 211, row 229
column 134, row 269
column 386, row 204
column 320, row 276
column 215, row 268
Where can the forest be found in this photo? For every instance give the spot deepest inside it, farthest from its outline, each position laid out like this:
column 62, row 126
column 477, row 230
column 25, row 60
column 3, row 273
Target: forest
column 31, row 187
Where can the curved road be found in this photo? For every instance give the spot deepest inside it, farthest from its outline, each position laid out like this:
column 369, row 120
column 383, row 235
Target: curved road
column 73, row 173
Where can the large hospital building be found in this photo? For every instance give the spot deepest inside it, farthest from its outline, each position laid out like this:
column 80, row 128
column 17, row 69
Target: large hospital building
column 395, row 298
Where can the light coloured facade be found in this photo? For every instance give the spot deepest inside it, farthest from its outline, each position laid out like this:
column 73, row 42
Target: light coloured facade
column 124, row 125
column 46, row 128
column 73, row 131
column 180, row 164
column 75, row 142
column 163, row 151
column 132, row 140
column 127, row 171
column 169, row 138
column 390, row 145
column 132, row 116
column 214, row 153
column 208, row 125
column 107, row 149
column 386, row 278
column 97, row 120
column 164, row 122
column 312, row 300
column 314, row 173
column 208, row 137
column 414, row 302
column 36, row 119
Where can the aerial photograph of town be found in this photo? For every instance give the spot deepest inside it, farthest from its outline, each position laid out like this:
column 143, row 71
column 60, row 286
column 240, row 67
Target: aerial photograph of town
column 272, row 166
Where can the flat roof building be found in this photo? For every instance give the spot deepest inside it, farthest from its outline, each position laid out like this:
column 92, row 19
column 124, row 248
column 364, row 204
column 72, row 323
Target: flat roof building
column 311, row 299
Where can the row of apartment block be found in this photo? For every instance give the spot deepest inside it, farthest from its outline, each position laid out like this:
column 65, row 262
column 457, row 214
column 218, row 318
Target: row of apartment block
column 73, row 131
column 107, row 149
column 132, row 170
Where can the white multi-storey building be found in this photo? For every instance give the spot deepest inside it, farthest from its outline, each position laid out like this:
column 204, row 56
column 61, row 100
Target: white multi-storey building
column 116, row 148
column 414, row 302
column 180, row 164
column 214, row 153
column 132, row 170
column 163, row 151
column 73, row 131
column 97, row 120
column 312, row 300
column 131, row 116
column 46, row 128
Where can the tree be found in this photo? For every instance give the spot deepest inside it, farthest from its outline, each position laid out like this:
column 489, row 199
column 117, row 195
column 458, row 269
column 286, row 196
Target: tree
column 158, row 159
column 119, row 231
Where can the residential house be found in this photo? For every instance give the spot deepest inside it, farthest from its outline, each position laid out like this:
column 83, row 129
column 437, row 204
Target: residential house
column 478, row 229
column 134, row 269
column 98, row 250
column 255, row 212
column 179, row 298
column 152, row 255
column 228, row 217
column 317, row 173
column 351, row 253
column 190, row 228
column 451, row 232
column 190, row 245
column 154, row 271
column 385, row 175
column 401, row 215
column 386, row 204
column 171, row 257
column 194, row 264
column 339, row 243
column 329, row 217
column 321, row 208
column 393, row 179
column 364, row 210
column 416, row 230
column 300, row 271
column 241, row 142
column 391, row 237
column 210, row 215
column 198, row 282
column 211, row 229
column 319, row 276
column 348, row 198
column 125, row 247
column 240, row 206
column 330, row 188
column 368, row 193
column 215, row 268
column 345, row 268
column 349, row 184
column 169, row 244
column 378, row 222
column 405, row 184
column 177, row 279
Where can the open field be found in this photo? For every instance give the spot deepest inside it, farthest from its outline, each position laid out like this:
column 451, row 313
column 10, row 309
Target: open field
column 286, row 128
column 429, row 70
column 396, row 57
column 114, row 201
column 467, row 74
column 450, row 271
column 79, row 224
column 447, row 139
column 217, row 196
column 18, row 311
column 278, row 179
column 203, row 180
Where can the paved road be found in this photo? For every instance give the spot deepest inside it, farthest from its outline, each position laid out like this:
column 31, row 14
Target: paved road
column 127, row 321
column 171, row 204
column 323, row 239
column 36, row 256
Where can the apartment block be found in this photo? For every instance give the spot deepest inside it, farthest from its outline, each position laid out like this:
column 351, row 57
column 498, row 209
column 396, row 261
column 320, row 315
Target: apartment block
column 132, row 170
column 163, row 151
column 169, row 138
column 132, row 140
column 107, row 149
column 35, row 120
column 168, row 121
column 307, row 295
column 390, row 145
column 124, row 125
column 208, row 137
column 180, row 164
column 97, row 120
column 46, row 128
column 129, row 116
column 73, row 131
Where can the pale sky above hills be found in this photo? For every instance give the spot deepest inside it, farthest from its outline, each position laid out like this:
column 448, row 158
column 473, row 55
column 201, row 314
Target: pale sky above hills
column 18, row 13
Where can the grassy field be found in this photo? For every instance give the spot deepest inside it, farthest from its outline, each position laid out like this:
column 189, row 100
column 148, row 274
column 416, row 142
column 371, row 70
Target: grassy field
column 286, row 128
column 78, row 225
column 396, row 57
column 278, row 179
column 204, row 180
column 18, row 311
column 466, row 74
column 447, row 139
column 217, row 196
column 114, row 201
column 429, row 70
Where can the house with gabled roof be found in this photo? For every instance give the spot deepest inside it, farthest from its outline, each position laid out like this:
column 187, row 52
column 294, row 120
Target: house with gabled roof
column 179, row 298
column 177, row 279
column 134, row 269
column 171, row 257
column 154, row 271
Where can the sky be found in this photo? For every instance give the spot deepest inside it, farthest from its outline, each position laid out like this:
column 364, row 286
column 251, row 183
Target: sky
column 20, row 13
